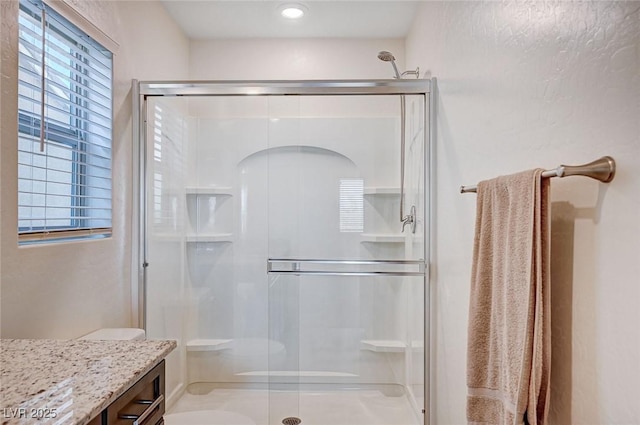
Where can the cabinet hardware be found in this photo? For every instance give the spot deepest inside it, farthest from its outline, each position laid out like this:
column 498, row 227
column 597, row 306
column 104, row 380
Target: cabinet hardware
column 138, row 420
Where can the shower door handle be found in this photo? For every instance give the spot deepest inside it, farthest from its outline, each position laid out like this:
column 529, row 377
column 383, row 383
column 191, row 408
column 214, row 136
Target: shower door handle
column 298, row 267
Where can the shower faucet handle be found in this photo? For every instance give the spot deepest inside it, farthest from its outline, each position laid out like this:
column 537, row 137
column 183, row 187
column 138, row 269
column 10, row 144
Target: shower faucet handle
column 410, row 219
column 406, row 220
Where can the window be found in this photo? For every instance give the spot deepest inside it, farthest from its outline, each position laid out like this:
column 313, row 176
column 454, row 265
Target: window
column 351, row 205
column 64, row 129
column 169, row 129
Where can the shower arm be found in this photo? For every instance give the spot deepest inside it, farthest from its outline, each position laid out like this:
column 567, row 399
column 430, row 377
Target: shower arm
column 415, row 73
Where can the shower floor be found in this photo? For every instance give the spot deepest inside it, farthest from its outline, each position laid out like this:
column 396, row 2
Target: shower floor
column 223, row 406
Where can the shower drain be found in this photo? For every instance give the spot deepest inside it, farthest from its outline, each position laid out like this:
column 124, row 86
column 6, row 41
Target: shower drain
column 291, row 421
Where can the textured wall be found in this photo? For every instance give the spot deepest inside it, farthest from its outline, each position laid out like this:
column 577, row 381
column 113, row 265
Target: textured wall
column 295, row 59
column 527, row 84
column 66, row 290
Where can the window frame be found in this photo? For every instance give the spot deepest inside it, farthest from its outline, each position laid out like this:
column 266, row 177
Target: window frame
column 83, row 66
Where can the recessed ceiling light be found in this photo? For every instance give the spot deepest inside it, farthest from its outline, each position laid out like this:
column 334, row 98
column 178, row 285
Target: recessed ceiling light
column 292, row 11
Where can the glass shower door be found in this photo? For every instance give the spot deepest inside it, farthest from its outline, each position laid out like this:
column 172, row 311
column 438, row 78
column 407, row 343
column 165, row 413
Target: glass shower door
column 346, row 282
column 339, row 345
column 277, row 258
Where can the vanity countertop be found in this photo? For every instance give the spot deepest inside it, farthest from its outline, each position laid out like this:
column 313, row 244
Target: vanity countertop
column 69, row 381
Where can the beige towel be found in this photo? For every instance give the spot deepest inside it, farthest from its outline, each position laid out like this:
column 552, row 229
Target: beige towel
column 509, row 346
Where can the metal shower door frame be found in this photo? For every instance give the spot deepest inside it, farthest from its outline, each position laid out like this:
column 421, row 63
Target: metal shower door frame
column 142, row 90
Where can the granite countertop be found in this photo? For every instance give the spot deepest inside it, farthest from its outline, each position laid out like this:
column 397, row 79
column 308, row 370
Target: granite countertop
column 72, row 380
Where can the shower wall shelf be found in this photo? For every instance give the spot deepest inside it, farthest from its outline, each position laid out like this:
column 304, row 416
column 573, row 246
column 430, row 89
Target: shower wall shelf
column 382, row 190
column 218, row 237
column 377, row 197
column 389, row 345
column 382, row 238
column 196, row 195
column 208, row 344
column 383, row 345
column 209, row 191
column 299, row 374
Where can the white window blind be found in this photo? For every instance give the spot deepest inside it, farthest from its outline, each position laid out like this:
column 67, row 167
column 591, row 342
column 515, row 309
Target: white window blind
column 169, row 129
column 351, row 205
column 64, row 129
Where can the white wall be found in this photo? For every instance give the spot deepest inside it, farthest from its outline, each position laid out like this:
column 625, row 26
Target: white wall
column 2, row 94
column 66, row 290
column 292, row 59
column 528, row 84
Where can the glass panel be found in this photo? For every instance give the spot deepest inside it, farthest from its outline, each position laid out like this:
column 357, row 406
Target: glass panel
column 284, row 348
column 334, row 177
column 236, row 181
column 346, row 292
column 207, row 246
column 342, row 349
column 167, row 138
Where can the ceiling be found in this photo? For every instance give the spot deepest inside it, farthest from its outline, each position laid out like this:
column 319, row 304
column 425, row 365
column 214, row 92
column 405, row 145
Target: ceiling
column 213, row 19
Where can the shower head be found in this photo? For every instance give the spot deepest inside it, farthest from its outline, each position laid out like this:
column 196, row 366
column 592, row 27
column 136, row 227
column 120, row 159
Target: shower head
column 388, row 57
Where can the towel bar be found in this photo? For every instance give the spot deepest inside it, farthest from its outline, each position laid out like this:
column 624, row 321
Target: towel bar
column 602, row 169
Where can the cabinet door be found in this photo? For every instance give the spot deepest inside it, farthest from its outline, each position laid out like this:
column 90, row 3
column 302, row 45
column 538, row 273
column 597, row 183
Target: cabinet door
column 97, row 420
column 143, row 403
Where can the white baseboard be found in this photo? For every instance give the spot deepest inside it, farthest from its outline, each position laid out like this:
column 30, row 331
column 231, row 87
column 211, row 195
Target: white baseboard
column 175, row 395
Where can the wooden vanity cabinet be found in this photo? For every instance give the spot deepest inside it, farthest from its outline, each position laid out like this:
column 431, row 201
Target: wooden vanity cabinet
column 142, row 404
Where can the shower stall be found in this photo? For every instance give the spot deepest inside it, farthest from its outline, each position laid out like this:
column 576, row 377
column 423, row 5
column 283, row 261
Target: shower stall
column 272, row 248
